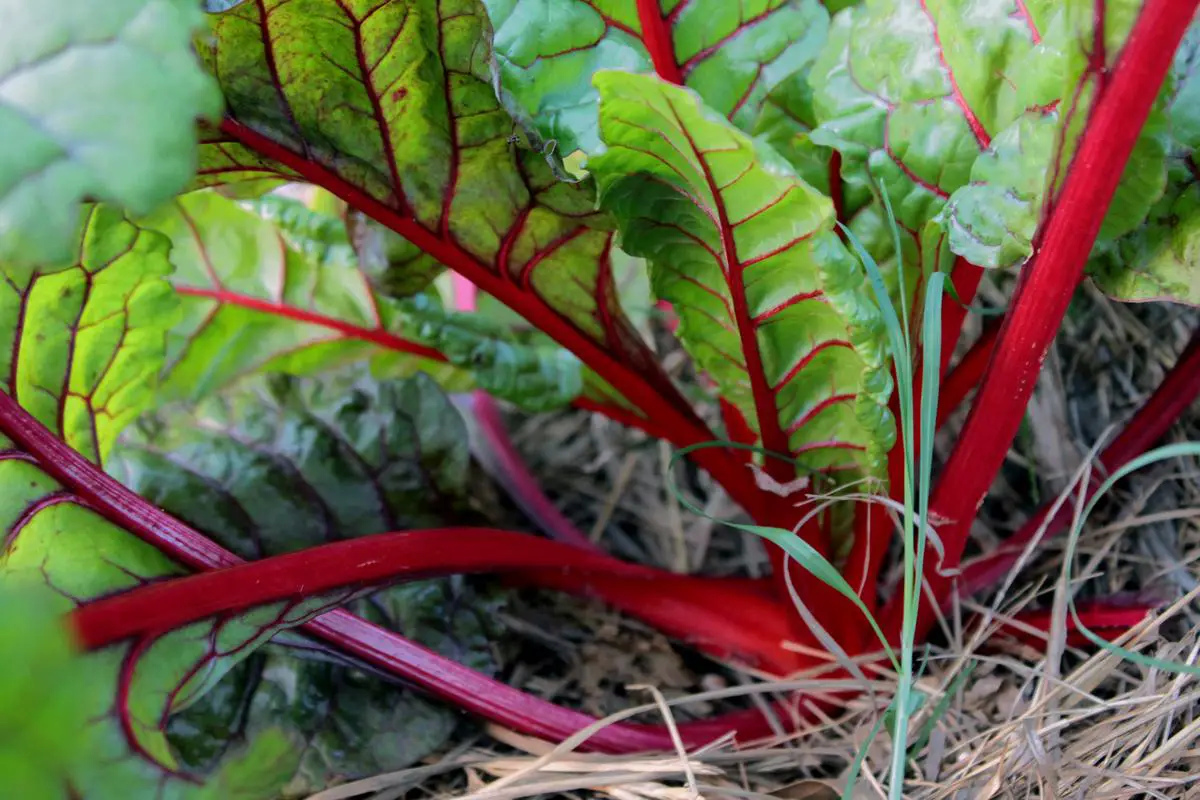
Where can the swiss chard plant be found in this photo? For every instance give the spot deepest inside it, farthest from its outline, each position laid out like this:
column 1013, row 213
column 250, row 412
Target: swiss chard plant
column 252, row 251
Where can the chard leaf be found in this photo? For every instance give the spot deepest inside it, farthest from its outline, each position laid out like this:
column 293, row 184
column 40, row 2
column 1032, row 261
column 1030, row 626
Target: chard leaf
column 279, row 464
column 349, row 724
column 326, row 460
column 85, row 343
column 771, row 305
column 236, row 170
column 537, row 375
column 285, row 295
column 968, row 113
column 732, row 53
column 272, row 285
column 911, row 92
column 992, row 220
column 44, row 688
column 97, row 102
column 52, row 537
column 392, row 103
column 81, row 344
column 786, row 123
column 1158, row 260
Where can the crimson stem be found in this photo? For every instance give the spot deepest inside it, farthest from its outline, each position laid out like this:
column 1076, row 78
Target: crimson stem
column 442, row 677
column 659, row 400
column 1170, row 400
column 1047, row 283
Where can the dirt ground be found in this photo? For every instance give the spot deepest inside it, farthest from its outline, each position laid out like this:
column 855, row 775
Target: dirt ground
column 1009, row 720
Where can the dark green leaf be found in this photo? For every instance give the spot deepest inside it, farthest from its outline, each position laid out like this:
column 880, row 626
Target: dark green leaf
column 51, row 537
column 280, row 464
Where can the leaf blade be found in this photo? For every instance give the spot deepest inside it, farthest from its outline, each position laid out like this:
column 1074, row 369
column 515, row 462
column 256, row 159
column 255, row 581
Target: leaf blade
column 745, row 252
column 132, row 66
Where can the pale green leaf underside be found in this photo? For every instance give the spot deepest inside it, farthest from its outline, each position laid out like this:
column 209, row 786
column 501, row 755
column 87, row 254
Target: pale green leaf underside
column 967, row 113
column 535, row 375
column 81, row 345
column 259, row 298
column 730, row 51
column 97, row 101
column 771, row 305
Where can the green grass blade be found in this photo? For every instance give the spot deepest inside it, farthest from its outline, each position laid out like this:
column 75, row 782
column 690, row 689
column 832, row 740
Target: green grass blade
column 1184, row 449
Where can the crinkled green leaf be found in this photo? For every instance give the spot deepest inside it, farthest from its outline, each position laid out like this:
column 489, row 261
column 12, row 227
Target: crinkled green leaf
column 276, row 465
column 992, row 221
column 279, row 464
column 730, row 51
column 969, row 113
column 349, row 724
column 80, row 345
column 1161, row 259
column 97, row 102
column 284, row 296
column 396, row 100
column 771, row 305
column 356, row 725
column 51, row 537
column 537, row 375
column 912, row 91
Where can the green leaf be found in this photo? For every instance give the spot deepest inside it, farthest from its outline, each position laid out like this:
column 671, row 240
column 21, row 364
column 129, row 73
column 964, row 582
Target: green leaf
column 97, row 102
column 536, row 374
column 394, row 101
column 280, row 464
column 992, row 221
column 771, row 305
column 260, row 296
column 348, row 724
column 97, row 330
column 44, row 688
column 969, row 113
column 731, row 53
column 51, row 537
column 786, row 123
column 1158, row 260
column 269, row 468
column 235, row 169
column 80, row 345
column 911, row 92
